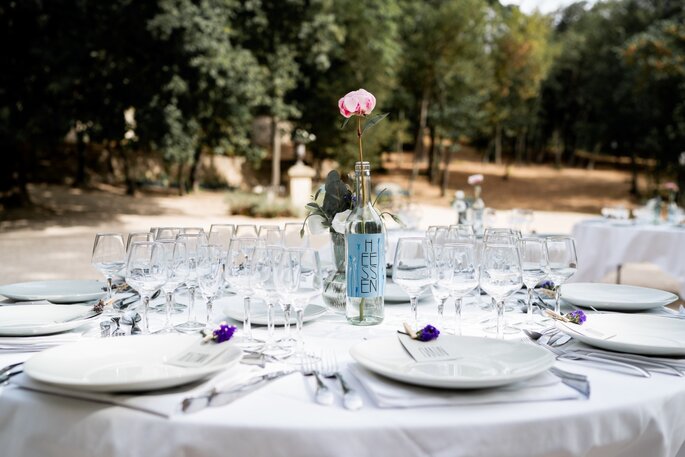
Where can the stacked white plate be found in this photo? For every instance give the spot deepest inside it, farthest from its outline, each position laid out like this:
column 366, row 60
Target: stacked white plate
column 46, row 319
column 123, row 364
column 615, row 297
column 62, row 291
column 479, row 362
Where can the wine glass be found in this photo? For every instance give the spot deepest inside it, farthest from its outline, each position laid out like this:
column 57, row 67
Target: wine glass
column 461, row 232
column 563, row 261
column 441, row 274
column 411, row 270
column 192, row 241
column 272, row 235
column 239, row 271
column 220, row 235
column 534, row 266
column 209, row 274
column 500, row 275
column 109, row 256
column 166, row 233
column 246, row 231
column 177, row 270
column 138, row 236
column 265, row 260
column 146, row 272
column 437, row 234
column 462, row 276
column 293, row 235
column 299, row 279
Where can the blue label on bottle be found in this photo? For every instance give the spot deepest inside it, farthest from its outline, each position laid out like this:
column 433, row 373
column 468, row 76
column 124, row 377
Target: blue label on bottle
column 365, row 265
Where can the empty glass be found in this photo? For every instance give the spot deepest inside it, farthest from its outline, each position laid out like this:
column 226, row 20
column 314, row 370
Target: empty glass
column 411, row 270
column 220, row 235
column 461, row 232
column 561, row 255
column 462, row 277
column 209, row 274
column 146, row 272
column 500, row 276
column 166, row 233
column 293, row 237
column 109, row 256
column 192, row 241
column 534, row 266
column 177, row 269
column 239, row 271
column 299, row 279
column 265, row 261
column 272, row 235
column 138, row 236
column 246, row 231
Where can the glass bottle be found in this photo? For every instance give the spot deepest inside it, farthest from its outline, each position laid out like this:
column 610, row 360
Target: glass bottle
column 477, row 210
column 365, row 254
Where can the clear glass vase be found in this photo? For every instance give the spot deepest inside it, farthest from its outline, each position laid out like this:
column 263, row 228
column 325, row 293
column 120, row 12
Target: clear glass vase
column 335, row 285
column 365, row 255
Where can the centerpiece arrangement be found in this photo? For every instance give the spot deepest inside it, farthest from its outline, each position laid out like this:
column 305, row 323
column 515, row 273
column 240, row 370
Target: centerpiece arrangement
column 356, row 227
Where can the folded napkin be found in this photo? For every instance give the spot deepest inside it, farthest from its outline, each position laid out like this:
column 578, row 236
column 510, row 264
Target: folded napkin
column 36, row 343
column 387, row 393
column 164, row 403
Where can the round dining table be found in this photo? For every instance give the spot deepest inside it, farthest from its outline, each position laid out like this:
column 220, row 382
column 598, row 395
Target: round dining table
column 604, row 244
column 624, row 415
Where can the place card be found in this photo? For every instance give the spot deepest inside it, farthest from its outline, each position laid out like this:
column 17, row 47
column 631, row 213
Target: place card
column 427, row 351
column 198, row 354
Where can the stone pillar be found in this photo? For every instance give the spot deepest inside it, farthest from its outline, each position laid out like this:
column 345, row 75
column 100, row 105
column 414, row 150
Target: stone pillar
column 300, row 181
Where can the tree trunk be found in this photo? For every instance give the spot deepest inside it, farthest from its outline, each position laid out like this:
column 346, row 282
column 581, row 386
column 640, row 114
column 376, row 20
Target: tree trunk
column 432, row 154
column 634, row 191
column 193, row 182
column 498, row 143
column 520, row 145
column 418, row 148
column 179, row 179
column 447, row 158
column 80, row 179
column 13, row 183
column 130, row 183
column 275, row 156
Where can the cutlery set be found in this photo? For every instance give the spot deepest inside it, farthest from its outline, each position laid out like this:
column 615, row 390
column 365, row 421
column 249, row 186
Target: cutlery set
column 326, row 366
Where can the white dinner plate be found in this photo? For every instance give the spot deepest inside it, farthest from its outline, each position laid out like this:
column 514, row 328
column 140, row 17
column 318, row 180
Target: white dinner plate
column 481, row 362
column 46, row 319
column 125, row 364
column 394, row 294
column 61, row 291
column 633, row 333
column 615, row 297
column 233, row 307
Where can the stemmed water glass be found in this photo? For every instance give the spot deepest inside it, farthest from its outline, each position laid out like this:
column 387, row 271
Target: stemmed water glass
column 500, row 274
column 272, row 235
column 563, row 261
column 146, row 272
column 239, row 274
column 462, row 278
column 299, row 279
column 177, row 270
column 109, row 256
column 166, row 233
column 293, row 236
column 209, row 274
column 220, row 235
column 441, row 275
column 138, row 236
column 265, row 261
column 534, row 266
column 411, row 270
column 192, row 241
column 246, row 231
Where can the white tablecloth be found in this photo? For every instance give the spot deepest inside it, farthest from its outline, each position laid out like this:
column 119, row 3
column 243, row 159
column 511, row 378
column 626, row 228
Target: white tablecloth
column 603, row 245
column 625, row 416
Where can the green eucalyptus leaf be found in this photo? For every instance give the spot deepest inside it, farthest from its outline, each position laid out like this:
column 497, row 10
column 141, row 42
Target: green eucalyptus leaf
column 344, row 123
column 373, row 121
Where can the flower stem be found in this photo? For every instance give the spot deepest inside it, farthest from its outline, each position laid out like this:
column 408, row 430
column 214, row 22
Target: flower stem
column 361, row 156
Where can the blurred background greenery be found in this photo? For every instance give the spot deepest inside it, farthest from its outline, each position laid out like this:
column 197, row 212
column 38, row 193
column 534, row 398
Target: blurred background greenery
column 141, row 92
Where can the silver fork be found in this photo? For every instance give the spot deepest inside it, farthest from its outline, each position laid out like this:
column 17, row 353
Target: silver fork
column 351, row 399
column 323, row 395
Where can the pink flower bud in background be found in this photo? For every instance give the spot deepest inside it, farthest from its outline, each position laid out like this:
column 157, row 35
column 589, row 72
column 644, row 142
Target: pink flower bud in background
column 671, row 186
column 475, row 179
column 357, row 103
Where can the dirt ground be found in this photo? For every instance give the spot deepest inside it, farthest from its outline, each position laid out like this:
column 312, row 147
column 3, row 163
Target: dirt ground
column 53, row 239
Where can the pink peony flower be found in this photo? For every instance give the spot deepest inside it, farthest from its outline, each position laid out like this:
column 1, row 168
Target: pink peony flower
column 671, row 186
column 357, row 103
column 475, row 179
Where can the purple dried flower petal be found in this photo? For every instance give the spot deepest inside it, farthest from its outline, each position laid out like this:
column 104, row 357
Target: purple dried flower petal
column 223, row 333
column 427, row 333
column 577, row 317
